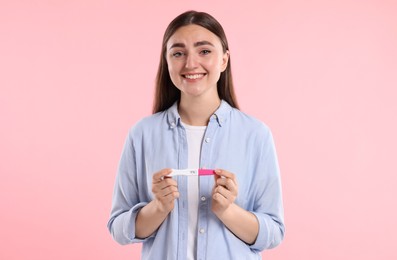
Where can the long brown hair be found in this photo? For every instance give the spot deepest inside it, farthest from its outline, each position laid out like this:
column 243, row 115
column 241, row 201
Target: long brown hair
column 166, row 93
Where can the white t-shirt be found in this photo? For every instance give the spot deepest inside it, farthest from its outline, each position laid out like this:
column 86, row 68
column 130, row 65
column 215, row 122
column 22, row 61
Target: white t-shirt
column 194, row 135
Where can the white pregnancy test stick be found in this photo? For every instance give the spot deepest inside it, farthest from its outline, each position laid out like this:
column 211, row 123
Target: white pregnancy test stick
column 191, row 172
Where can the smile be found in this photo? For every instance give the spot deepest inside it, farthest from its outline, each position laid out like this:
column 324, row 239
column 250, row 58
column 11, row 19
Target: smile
column 194, row 76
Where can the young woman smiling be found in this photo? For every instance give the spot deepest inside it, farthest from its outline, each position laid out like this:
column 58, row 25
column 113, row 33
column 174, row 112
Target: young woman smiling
column 196, row 123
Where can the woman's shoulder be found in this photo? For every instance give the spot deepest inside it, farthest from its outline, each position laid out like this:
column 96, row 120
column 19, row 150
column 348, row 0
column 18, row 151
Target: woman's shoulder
column 148, row 123
column 249, row 121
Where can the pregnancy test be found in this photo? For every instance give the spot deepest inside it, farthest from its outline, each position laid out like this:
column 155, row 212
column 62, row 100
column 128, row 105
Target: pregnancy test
column 191, row 172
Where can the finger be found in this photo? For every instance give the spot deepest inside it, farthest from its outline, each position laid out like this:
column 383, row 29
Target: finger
column 224, row 192
column 218, row 197
column 227, row 183
column 169, row 182
column 159, row 176
column 224, row 173
column 167, row 191
column 169, row 197
column 216, row 177
column 226, row 179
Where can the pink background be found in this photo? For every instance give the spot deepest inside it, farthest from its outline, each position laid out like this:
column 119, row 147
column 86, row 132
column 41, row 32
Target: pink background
column 75, row 75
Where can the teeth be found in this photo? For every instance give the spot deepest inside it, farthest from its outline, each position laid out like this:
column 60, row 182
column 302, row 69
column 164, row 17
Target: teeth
column 195, row 76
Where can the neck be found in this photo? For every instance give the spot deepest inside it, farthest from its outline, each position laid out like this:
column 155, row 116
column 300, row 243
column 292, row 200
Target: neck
column 197, row 112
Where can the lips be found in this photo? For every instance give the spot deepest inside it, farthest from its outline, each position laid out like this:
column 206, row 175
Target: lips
column 194, row 76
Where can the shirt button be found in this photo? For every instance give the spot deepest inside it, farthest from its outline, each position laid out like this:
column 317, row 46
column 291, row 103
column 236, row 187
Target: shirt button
column 203, row 198
column 207, row 140
column 201, row 230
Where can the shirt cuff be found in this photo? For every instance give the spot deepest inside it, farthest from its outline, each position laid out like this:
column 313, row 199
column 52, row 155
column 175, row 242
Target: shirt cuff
column 265, row 234
column 129, row 224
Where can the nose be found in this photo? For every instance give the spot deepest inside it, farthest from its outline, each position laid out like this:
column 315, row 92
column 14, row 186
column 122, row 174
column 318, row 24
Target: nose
column 191, row 62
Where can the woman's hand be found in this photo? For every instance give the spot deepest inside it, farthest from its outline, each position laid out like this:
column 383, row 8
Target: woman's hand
column 241, row 222
column 224, row 192
column 165, row 190
column 151, row 216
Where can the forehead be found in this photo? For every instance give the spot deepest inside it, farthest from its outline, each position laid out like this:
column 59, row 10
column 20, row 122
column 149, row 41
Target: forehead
column 190, row 34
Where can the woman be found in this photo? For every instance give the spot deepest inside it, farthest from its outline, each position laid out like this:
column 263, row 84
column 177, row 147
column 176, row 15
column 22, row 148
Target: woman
column 234, row 214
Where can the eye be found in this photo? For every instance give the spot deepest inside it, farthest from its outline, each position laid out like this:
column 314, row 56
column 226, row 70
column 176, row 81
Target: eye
column 177, row 54
column 205, row 52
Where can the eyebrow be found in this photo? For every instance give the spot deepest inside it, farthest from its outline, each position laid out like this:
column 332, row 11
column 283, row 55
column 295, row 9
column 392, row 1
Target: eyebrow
column 196, row 44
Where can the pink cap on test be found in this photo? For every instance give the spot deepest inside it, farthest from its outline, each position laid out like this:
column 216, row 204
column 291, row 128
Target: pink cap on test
column 206, row 172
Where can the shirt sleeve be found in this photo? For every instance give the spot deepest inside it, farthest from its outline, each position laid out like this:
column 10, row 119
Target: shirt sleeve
column 268, row 206
column 125, row 203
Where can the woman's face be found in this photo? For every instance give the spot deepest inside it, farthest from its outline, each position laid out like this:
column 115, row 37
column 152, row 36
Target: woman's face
column 195, row 61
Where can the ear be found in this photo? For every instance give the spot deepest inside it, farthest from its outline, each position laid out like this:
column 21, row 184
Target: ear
column 225, row 60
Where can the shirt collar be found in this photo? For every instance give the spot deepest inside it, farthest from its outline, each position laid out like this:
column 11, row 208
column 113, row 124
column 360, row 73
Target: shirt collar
column 220, row 115
column 173, row 115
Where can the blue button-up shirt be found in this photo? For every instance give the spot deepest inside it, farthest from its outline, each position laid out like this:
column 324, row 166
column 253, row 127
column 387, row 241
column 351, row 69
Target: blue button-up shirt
column 235, row 142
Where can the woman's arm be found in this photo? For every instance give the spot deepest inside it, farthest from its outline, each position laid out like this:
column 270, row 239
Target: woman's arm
column 242, row 223
column 151, row 216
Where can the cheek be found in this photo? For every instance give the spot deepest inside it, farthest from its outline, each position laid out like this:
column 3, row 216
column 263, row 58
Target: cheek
column 173, row 67
column 169, row 65
column 173, row 73
column 215, row 63
column 215, row 66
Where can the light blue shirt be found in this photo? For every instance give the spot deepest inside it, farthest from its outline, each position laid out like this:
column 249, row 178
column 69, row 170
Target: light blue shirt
column 233, row 141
